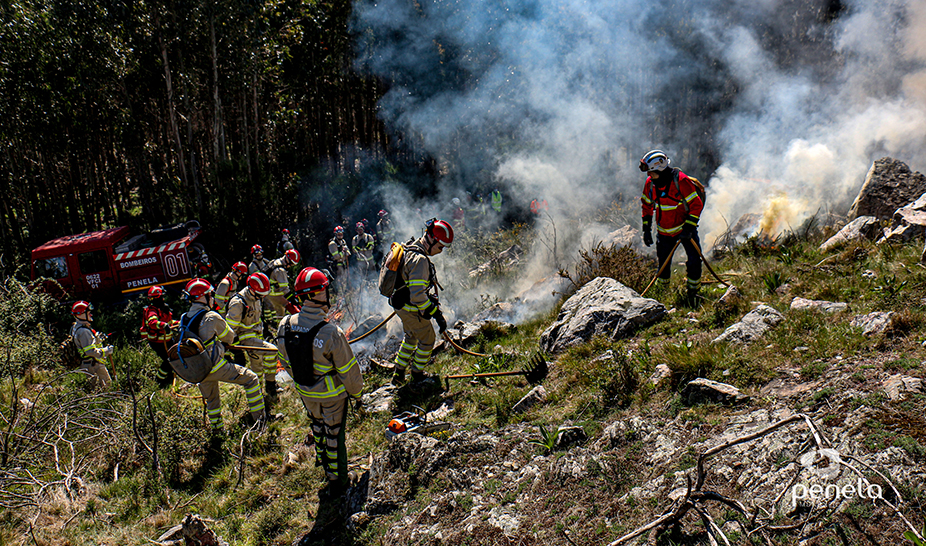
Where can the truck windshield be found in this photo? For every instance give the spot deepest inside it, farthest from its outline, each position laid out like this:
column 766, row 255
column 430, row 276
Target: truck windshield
column 93, row 262
column 53, row 268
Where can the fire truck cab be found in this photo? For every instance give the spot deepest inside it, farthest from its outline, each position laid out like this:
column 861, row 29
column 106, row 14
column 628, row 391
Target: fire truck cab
column 110, row 263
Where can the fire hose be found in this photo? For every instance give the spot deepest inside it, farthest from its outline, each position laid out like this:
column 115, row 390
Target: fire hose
column 377, row 327
column 461, row 349
column 669, row 260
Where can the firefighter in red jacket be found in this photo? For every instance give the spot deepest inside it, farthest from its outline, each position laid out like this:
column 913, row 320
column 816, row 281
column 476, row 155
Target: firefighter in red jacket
column 673, row 197
column 158, row 320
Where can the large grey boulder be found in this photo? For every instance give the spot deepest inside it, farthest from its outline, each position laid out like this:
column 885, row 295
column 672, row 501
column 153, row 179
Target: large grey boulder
column 863, row 227
column 602, row 307
column 889, row 185
column 752, row 326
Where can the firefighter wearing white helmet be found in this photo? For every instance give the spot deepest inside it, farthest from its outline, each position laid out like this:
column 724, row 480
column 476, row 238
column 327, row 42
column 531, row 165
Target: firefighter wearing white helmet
column 90, row 346
column 339, row 252
column 258, row 262
column 674, row 198
column 362, row 244
column 416, row 303
column 158, row 320
column 279, row 282
column 244, row 318
column 230, row 284
column 215, row 334
column 325, row 373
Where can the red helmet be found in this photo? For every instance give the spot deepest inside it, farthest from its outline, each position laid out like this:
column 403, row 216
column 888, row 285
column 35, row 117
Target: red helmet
column 383, row 213
column 285, row 231
column 155, row 292
column 81, row 307
column 256, row 249
column 293, row 255
column 338, row 230
column 197, row 288
column 310, row 281
column 259, row 284
column 240, row 267
column 440, row 230
column 360, row 225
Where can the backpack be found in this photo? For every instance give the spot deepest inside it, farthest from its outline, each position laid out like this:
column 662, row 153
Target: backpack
column 299, row 348
column 699, row 187
column 69, row 351
column 390, row 272
column 188, row 357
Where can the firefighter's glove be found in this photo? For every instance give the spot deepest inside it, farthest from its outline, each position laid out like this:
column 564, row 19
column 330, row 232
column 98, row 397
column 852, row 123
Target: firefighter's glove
column 647, row 236
column 108, row 350
column 689, row 230
column 441, row 321
column 358, row 403
column 647, row 231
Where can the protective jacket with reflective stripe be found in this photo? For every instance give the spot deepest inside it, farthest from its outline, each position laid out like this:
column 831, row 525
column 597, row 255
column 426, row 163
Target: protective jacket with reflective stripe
column 279, row 280
column 225, row 290
column 157, row 324
column 244, row 315
column 421, row 278
column 666, row 202
column 89, row 342
column 214, row 333
column 334, row 361
column 363, row 247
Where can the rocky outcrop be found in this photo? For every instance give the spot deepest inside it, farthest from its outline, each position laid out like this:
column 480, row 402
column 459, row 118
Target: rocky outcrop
column 863, row 227
column 602, row 307
column 889, row 185
column 752, row 326
column 907, row 223
column 897, row 387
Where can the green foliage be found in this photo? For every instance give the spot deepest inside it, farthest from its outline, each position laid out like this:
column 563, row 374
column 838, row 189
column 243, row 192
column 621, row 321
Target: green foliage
column 774, row 280
column 622, row 264
column 547, row 438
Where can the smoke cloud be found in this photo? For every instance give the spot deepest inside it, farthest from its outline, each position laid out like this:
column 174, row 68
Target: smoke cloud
column 780, row 106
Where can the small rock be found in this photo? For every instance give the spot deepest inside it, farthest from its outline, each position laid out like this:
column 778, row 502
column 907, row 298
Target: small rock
column 801, row 349
column 802, row 304
column 662, row 374
column 897, row 386
column 703, row 390
column 752, row 326
column 570, row 435
column 873, row 323
column 537, row 394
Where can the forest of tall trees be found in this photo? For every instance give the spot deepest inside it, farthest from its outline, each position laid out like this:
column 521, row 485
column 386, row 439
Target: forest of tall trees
column 151, row 112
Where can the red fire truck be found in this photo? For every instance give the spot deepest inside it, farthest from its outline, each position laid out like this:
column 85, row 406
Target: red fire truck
column 110, row 263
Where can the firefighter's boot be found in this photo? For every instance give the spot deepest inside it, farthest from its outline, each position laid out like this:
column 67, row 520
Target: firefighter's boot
column 398, row 376
column 273, row 394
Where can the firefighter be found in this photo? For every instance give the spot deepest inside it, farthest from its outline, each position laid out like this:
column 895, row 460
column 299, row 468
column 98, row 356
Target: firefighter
column 215, row 334
column 279, row 281
column 285, row 243
column 325, row 373
column 458, row 214
column 675, row 200
column 90, row 346
column 384, row 231
column 417, row 303
column 539, row 206
column 157, row 322
column 230, row 284
column 363, row 248
column 339, row 252
column 258, row 262
column 497, row 201
column 244, row 318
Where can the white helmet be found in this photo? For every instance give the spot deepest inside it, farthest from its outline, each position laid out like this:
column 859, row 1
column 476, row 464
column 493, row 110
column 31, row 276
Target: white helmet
column 455, row 201
column 654, row 160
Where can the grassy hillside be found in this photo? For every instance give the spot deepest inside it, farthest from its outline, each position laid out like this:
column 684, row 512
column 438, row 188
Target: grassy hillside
column 121, row 467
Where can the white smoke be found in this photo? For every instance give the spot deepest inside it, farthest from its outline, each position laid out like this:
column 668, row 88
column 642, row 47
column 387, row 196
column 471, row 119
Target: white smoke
column 779, row 105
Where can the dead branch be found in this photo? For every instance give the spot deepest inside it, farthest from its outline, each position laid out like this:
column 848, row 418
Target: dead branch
column 695, row 498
